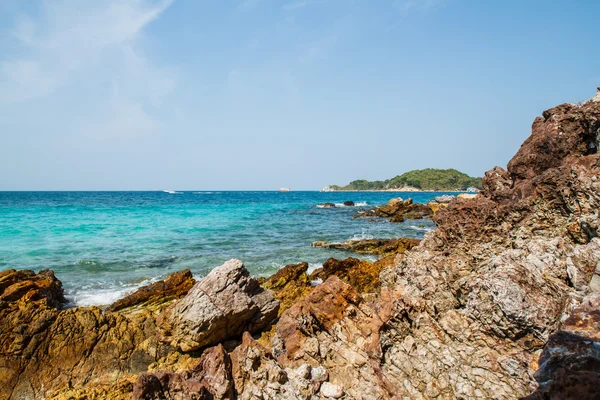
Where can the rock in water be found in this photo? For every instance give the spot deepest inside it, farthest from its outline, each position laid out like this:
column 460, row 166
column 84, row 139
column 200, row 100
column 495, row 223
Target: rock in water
column 220, row 306
column 174, row 287
column 349, row 203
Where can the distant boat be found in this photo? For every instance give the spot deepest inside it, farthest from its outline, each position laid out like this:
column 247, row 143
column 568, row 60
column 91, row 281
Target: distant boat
column 284, row 190
column 170, row 191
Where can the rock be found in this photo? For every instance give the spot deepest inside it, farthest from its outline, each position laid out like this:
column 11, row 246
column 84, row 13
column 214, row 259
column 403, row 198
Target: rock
column 373, row 246
column 27, row 286
column 326, row 205
column 220, row 306
column 444, row 199
column 466, row 196
column 397, row 210
column 44, row 349
column 435, row 207
column 289, row 284
column 362, row 275
column 569, row 367
column 210, row 378
column 349, row 204
column 331, row 390
column 174, row 287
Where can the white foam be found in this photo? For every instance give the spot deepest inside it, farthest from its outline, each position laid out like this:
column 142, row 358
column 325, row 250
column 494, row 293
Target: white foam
column 420, row 228
column 316, row 282
column 364, row 235
column 361, row 204
column 101, row 297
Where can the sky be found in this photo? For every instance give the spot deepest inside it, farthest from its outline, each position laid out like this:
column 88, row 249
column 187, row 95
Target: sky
column 263, row 94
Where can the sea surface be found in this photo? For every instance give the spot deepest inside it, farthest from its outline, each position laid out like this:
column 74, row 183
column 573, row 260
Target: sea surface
column 102, row 245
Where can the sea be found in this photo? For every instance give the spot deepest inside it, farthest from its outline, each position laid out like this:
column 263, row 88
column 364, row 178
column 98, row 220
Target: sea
column 103, row 245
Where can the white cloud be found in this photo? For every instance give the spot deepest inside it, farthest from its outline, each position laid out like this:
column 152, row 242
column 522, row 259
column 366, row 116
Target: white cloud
column 71, row 37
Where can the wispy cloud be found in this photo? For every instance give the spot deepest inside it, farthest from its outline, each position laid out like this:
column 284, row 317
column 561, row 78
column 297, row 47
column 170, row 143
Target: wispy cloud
column 69, row 38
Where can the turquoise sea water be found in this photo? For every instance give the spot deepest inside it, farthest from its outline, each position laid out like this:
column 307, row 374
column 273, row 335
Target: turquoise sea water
column 104, row 244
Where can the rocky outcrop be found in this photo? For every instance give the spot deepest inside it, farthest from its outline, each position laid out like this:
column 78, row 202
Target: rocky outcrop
column 289, row 284
column 44, row 349
column 397, row 210
column 224, row 304
column 500, row 301
column 157, row 294
column 372, row 246
column 360, row 274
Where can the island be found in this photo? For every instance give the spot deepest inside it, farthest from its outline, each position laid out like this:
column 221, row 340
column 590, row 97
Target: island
column 429, row 179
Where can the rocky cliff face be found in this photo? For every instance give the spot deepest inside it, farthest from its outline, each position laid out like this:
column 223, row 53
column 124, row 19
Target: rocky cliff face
column 500, row 301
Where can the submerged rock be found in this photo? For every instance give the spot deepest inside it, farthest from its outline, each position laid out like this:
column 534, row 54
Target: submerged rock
column 373, row 246
column 224, row 304
column 397, row 210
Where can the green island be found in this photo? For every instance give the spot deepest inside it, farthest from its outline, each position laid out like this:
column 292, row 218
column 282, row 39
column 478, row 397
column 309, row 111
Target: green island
column 429, row 179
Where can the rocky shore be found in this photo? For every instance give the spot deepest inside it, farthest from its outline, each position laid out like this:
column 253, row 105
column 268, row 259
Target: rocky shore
column 501, row 301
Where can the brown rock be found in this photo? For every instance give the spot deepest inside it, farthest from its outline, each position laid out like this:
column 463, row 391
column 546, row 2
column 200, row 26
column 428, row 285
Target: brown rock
column 373, row 246
column 209, row 379
column 398, row 210
column 362, row 275
column 174, row 287
column 289, row 284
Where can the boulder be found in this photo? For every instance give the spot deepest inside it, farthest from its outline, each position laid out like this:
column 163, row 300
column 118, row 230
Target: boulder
column 220, row 306
column 446, row 198
column 349, row 203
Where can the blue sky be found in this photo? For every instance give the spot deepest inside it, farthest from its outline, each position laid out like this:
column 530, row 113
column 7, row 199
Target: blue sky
column 262, row 94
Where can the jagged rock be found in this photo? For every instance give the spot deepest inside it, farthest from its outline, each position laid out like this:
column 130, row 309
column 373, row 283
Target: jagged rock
column 210, row 378
column 373, row 246
column 289, row 284
column 220, row 306
column 362, row 275
column 27, row 286
column 570, row 364
column 257, row 375
column 397, row 210
column 174, row 287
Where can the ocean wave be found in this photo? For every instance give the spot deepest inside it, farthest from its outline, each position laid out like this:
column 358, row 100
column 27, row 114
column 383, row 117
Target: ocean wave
column 341, row 205
column 420, row 228
column 362, row 236
column 316, row 282
column 89, row 295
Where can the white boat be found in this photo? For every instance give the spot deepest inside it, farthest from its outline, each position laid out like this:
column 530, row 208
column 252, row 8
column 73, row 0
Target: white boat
column 284, row 190
column 169, row 191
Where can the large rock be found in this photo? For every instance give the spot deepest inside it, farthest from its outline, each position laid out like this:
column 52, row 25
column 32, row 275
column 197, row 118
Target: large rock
column 158, row 293
column 220, row 306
